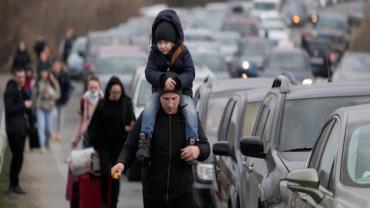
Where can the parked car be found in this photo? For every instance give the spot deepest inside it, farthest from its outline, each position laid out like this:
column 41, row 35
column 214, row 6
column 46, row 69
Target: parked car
column 237, row 122
column 294, row 61
column 76, row 58
column 119, row 61
column 213, row 60
column 288, row 121
column 354, row 66
column 338, row 171
column 211, row 99
column 249, row 57
column 246, row 26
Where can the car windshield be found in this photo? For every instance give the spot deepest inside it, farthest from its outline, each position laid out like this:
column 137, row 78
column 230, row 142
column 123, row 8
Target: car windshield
column 331, row 23
column 264, row 6
column 303, row 118
column 213, row 62
column 119, row 65
column 215, row 110
column 356, row 166
column 355, row 63
column 145, row 91
column 287, row 62
column 245, row 29
column 256, row 48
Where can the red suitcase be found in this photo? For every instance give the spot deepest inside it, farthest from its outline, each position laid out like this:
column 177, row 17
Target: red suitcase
column 90, row 196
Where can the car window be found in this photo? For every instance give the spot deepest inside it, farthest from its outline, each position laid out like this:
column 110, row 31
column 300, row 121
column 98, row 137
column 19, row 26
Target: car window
column 287, row 62
column 231, row 129
column 303, row 118
column 263, row 119
column 119, row 65
column 356, row 167
column 328, row 156
column 224, row 122
column 250, row 117
column 319, row 146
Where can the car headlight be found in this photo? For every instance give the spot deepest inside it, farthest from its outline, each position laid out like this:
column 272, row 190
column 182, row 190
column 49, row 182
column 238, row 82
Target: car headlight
column 245, row 65
column 205, row 171
column 307, row 81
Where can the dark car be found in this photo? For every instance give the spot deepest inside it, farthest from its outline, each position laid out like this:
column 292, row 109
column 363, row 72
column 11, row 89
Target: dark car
column 298, row 12
column 246, row 26
column 237, row 122
column 249, row 57
column 294, row 61
column 211, row 99
column 334, row 28
column 338, row 171
column 322, row 55
column 288, row 121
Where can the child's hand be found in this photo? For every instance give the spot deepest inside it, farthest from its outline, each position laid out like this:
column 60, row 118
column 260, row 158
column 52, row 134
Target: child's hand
column 170, row 84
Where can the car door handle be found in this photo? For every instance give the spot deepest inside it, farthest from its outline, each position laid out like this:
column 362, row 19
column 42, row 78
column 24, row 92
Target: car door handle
column 250, row 167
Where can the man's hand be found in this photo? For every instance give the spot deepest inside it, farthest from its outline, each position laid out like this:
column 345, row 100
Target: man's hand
column 190, row 153
column 169, row 85
column 28, row 103
column 116, row 170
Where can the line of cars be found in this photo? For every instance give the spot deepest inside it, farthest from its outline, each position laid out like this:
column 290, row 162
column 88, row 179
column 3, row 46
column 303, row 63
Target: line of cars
column 265, row 134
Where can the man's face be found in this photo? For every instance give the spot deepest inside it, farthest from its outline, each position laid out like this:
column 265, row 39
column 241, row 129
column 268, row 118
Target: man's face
column 170, row 102
column 20, row 78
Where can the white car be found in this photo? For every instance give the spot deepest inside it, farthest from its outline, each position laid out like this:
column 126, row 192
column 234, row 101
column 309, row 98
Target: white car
column 276, row 30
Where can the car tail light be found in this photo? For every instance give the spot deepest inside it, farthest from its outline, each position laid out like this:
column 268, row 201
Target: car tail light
column 296, row 20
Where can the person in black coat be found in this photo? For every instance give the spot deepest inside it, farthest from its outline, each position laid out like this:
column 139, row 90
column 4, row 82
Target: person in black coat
column 21, row 58
column 109, row 126
column 168, row 54
column 65, row 92
column 167, row 178
column 17, row 105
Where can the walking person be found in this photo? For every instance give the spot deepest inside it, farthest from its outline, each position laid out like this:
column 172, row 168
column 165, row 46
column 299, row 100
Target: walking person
column 167, row 178
column 45, row 94
column 168, row 54
column 17, row 104
column 21, row 58
column 88, row 103
column 66, row 44
column 39, row 46
column 112, row 120
column 65, row 93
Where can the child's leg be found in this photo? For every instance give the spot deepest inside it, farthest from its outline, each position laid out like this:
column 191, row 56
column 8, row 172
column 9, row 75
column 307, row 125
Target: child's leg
column 191, row 117
column 150, row 111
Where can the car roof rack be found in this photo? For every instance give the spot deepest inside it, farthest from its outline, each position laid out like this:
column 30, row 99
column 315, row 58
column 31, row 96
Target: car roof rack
column 284, row 82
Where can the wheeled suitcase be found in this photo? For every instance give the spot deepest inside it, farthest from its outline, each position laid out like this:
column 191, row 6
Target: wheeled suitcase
column 90, row 196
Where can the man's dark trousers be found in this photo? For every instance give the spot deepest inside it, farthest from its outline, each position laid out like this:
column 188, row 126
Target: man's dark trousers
column 182, row 201
column 16, row 144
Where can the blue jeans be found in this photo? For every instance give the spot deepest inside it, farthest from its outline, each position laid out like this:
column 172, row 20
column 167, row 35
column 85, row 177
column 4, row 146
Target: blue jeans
column 44, row 124
column 188, row 110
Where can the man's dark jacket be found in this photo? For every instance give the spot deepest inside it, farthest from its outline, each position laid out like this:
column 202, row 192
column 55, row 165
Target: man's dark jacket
column 166, row 176
column 15, row 110
column 158, row 63
column 21, row 59
column 65, row 88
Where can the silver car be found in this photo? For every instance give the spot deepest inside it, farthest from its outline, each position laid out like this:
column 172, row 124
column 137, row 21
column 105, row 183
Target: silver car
column 338, row 171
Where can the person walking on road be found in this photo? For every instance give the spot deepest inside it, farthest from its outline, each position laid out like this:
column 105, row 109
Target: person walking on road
column 167, row 178
column 21, row 58
column 66, row 44
column 107, row 132
column 45, row 94
column 17, row 104
column 88, row 103
column 65, row 93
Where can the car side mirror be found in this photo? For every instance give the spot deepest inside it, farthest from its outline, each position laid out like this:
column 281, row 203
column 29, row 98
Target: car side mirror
column 305, row 181
column 221, row 148
column 252, row 147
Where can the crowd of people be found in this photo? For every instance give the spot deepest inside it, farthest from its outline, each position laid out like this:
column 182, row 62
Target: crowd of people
column 167, row 137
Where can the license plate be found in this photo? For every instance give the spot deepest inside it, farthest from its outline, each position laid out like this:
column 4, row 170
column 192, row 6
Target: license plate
column 317, row 60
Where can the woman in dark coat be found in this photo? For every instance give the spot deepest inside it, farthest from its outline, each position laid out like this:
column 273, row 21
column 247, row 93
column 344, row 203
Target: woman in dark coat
column 22, row 57
column 107, row 131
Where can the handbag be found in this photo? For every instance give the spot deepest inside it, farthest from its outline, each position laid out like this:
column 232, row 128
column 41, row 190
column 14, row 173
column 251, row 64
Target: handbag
column 84, row 161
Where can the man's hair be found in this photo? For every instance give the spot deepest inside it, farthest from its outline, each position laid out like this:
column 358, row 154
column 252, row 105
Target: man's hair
column 18, row 69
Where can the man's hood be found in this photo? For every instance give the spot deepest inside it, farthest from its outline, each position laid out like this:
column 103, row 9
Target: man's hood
column 11, row 84
column 170, row 16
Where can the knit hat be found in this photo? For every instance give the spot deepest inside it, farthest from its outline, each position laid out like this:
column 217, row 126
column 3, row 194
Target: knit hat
column 165, row 31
